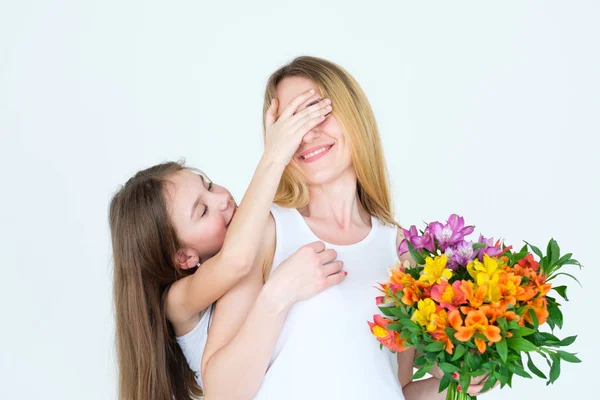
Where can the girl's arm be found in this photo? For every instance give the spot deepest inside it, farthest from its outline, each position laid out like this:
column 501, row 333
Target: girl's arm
column 190, row 295
column 248, row 320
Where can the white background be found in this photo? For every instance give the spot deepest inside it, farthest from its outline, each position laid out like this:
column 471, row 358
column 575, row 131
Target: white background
column 487, row 110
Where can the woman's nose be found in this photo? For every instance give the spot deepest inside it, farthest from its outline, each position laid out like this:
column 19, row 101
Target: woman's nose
column 311, row 135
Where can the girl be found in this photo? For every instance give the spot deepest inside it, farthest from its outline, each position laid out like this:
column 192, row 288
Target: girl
column 178, row 248
column 335, row 190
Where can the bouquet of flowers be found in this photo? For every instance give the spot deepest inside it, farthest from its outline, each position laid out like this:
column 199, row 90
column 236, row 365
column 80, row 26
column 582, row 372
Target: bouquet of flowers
column 474, row 309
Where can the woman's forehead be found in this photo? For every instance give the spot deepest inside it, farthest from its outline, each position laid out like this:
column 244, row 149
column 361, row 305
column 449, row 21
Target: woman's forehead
column 291, row 87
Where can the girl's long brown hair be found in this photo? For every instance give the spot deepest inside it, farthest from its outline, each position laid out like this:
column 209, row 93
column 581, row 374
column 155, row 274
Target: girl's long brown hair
column 144, row 241
column 353, row 112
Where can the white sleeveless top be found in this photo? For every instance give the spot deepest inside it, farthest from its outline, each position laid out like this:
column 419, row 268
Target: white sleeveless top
column 193, row 344
column 326, row 349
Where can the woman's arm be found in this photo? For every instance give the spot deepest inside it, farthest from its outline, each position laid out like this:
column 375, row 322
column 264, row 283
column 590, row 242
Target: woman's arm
column 243, row 333
column 190, row 295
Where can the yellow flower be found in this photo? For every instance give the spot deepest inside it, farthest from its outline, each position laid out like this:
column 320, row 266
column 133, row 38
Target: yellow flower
column 485, row 273
column 425, row 314
column 435, row 270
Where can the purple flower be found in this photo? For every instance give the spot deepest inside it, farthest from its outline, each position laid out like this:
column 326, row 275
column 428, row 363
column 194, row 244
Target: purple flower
column 490, row 249
column 460, row 254
column 453, row 232
column 464, row 253
column 419, row 242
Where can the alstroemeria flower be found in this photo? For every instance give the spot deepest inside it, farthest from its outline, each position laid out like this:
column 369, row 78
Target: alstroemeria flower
column 529, row 262
column 388, row 338
column 486, row 272
column 425, row 314
column 453, row 232
column 539, row 307
column 419, row 242
column 476, row 322
column 449, row 296
column 491, row 249
column 435, row 270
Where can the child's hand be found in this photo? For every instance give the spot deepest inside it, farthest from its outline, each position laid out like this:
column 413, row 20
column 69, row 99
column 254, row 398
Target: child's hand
column 284, row 134
column 307, row 272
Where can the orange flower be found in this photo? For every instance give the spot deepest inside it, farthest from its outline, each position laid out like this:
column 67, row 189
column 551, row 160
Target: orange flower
column 448, row 296
column 410, row 296
column 529, row 262
column 441, row 336
column 540, row 307
column 388, row 338
column 475, row 294
column 476, row 322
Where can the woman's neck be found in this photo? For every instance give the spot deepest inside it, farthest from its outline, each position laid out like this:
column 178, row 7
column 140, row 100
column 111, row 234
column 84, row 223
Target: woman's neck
column 337, row 203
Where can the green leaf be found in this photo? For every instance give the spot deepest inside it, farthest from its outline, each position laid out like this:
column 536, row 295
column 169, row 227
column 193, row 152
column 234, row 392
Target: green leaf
column 553, row 252
column 554, row 369
column 477, row 246
column 422, row 371
column 524, row 331
column 520, row 255
column 470, row 361
column 562, row 291
column 519, row 371
column 568, row 357
column 415, row 254
column 387, row 311
column 444, row 383
column 563, row 259
column 564, row 273
column 459, row 350
column 567, row 341
column 534, row 318
column 520, row 344
column 535, row 250
column 573, row 262
column 435, row 346
column 502, row 349
column 502, row 324
column 394, row 327
column 449, row 368
column 549, row 339
column 556, row 315
column 489, row 383
column 533, row 368
column 420, row 361
column 465, row 380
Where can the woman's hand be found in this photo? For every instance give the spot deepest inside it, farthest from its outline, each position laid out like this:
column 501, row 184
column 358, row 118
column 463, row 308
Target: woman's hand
column 475, row 386
column 307, row 272
column 284, row 134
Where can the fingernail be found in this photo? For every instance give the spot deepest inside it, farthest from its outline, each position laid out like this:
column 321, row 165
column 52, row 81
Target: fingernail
column 454, row 375
column 459, row 388
column 345, row 273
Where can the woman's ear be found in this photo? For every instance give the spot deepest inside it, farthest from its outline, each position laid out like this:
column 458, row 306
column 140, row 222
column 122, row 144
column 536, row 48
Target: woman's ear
column 187, row 258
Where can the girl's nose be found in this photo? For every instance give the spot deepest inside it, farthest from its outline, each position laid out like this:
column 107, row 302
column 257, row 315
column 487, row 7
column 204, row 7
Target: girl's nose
column 223, row 202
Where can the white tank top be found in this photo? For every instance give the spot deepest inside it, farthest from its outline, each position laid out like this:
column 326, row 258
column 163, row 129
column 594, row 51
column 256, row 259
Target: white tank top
column 326, row 350
column 193, row 343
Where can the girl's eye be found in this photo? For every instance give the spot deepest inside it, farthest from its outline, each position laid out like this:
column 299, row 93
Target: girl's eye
column 204, row 212
column 209, row 186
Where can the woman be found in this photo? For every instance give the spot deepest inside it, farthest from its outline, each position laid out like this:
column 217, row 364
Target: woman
column 178, row 248
column 336, row 190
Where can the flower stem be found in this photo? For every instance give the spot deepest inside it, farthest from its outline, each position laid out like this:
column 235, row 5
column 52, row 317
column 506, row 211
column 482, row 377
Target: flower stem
column 454, row 394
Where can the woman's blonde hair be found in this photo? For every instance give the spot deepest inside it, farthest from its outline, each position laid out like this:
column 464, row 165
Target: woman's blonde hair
column 355, row 116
